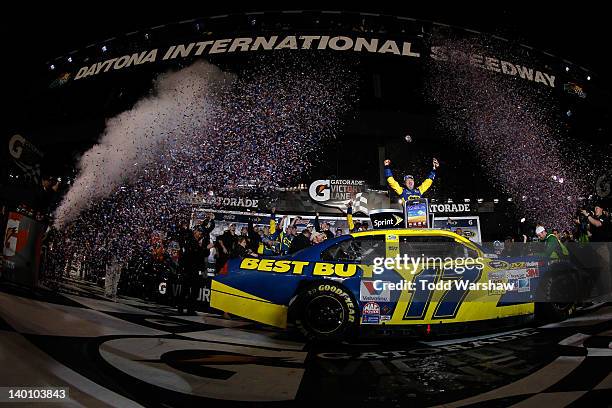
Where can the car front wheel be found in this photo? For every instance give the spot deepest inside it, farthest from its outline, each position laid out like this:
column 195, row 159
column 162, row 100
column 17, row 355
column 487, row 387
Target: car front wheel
column 325, row 311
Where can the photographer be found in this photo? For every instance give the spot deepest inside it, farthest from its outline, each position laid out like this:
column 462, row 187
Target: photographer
column 600, row 224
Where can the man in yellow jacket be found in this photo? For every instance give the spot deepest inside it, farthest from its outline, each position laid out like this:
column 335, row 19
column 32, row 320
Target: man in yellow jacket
column 409, row 192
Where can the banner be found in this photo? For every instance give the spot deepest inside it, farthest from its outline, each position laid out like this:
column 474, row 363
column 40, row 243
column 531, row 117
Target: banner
column 469, row 226
column 21, row 249
column 26, row 158
column 387, row 218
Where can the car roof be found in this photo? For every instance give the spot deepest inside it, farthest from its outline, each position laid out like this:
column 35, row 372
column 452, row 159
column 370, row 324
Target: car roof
column 427, row 232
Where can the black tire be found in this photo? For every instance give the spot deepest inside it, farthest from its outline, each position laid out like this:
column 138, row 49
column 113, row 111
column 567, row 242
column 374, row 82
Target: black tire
column 556, row 297
column 325, row 311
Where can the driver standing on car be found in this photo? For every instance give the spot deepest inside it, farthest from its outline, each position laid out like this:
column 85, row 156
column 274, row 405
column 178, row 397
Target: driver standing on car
column 409, row 192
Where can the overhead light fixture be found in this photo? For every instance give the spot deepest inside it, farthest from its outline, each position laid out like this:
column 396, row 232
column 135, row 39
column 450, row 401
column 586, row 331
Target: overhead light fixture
column 566, row 69
column 52, row 67
column 104, row 48
column 69, row 59
column 588, row 78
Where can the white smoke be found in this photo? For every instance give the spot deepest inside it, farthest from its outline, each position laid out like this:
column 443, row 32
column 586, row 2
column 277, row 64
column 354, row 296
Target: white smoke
column 136, row 138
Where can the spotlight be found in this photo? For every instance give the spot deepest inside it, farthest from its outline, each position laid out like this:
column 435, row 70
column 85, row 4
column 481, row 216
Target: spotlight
column 52, row 67
column 588, row 78
column 146, row 36
column 523, row 219
column 104, row 48
column 69, row 59
column 495, row 200
column 566, row 69
column 509, row 199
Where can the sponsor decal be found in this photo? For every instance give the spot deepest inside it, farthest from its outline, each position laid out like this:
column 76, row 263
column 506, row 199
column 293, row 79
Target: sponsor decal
column 523, row 285
column 367, row 319
column 516, row 274
column 498, row 264
column 370, row 313
column 385, row 318
column 515, row 265
column 497, row 278
column 533, row 272
column 371, row 308
column 368, row 293
column 299, row 267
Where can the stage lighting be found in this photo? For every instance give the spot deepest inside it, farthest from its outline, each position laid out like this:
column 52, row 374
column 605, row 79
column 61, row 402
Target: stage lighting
column 566, row 69
column 509, row 199
column 480, row 200
column 495, row 200
column 104, row 48
column 588, row 78
column 69, row 59
column 523, row 219
column 52, row 67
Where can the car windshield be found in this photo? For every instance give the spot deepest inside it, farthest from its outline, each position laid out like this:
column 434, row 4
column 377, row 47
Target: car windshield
column 361, row 249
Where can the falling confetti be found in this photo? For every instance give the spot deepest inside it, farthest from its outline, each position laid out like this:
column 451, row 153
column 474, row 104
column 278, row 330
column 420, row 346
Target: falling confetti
column 200, row 130
column 512, row 128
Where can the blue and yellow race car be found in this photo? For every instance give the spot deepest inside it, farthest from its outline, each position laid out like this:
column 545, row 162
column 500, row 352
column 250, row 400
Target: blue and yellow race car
column 411, row 281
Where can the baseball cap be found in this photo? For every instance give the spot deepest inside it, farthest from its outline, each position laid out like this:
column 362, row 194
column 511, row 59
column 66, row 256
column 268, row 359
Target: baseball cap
column 540, row 229
column 408, row 176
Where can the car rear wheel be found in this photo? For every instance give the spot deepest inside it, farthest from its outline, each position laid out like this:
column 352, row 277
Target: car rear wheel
column 325, row 311
column 556, row 298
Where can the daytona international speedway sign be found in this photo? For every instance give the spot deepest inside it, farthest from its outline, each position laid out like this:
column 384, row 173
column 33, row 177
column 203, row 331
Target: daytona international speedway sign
column 399, row 48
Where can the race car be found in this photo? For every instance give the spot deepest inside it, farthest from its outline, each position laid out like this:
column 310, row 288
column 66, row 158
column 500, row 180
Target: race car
column 373, row 282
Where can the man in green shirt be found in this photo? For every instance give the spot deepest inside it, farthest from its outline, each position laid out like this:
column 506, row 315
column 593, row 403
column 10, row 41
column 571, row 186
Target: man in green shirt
column 554, row 248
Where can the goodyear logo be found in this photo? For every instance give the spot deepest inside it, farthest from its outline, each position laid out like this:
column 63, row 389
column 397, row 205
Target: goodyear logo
column 299, row 267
